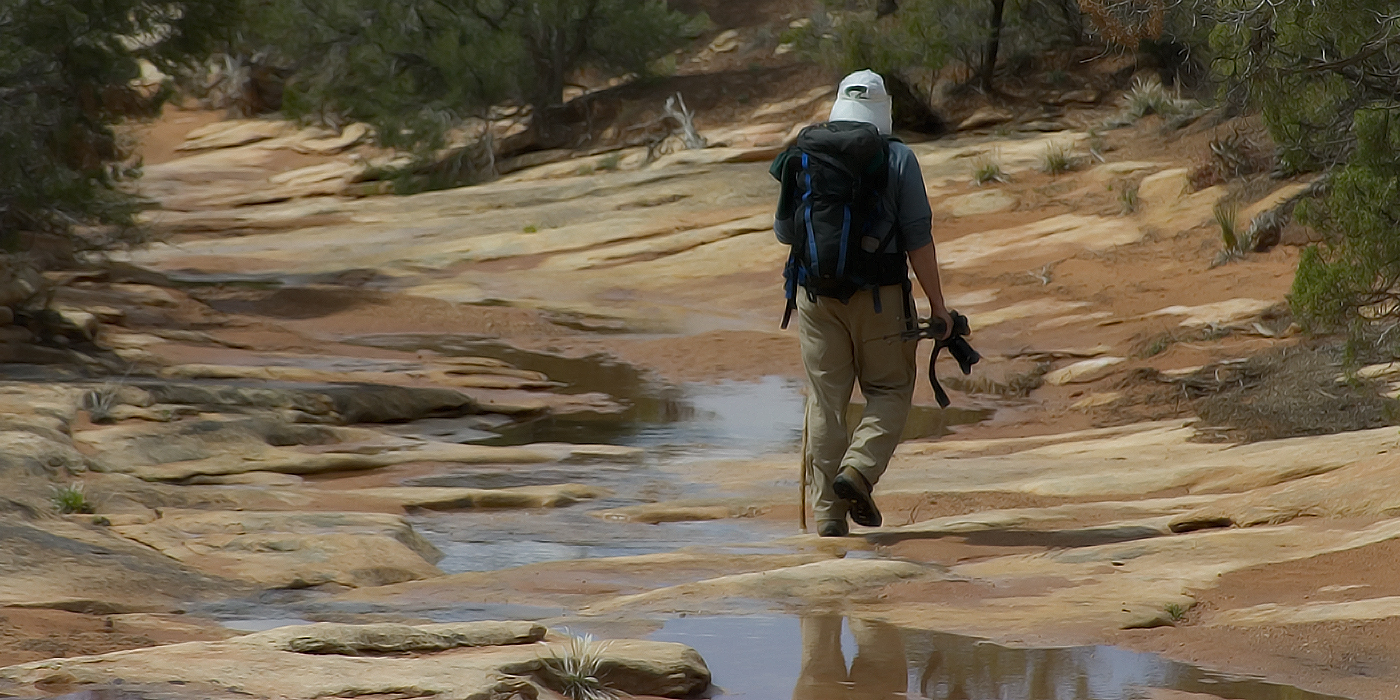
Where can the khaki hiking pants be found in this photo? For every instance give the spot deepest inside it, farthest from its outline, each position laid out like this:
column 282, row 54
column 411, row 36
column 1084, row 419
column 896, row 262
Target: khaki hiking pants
column 843, row 344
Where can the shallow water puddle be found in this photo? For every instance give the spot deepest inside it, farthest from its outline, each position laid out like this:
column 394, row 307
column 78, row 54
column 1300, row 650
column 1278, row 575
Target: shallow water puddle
column 692, row 420
column 675, row 424
column 826, row 657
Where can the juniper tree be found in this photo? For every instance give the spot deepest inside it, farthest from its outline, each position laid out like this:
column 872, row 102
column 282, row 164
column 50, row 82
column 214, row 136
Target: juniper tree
column 1326, row 77
column 415, row 68
column 66, row 72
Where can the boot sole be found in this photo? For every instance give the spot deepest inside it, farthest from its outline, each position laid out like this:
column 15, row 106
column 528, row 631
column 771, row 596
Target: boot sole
column 863, row 509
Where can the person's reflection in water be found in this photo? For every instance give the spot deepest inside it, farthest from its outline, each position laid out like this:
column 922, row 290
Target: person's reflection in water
column 878, row 671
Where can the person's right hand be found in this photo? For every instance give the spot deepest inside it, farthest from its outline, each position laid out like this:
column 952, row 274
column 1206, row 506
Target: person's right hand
column 942, row 314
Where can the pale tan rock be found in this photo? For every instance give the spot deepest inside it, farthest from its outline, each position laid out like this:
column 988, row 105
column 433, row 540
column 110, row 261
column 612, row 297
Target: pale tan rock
column 1113, row 463
column 727, row 41
column 234, row 132
column 1052, row 308
column 1369, row 487
column 1077, row 521
column 351, row 135
column 1124, row 584
column 985, row 117
column 1049, row 239
column 1166, row 201
column 158, row 413
column 292, row 461
column 251, row 666
column 443, row 498
column 338, row 173
column 485, row 378
column 292, row 550
column 1097, row 400
column 85, row 322
column 984, row 202
column 605, row 453
column 679, row 512
column 1086, row 371
column 1219, row 313
column 825, row 580
column 1274, row 614
column 355, row 640
column 1388, row 371
column 250, row 479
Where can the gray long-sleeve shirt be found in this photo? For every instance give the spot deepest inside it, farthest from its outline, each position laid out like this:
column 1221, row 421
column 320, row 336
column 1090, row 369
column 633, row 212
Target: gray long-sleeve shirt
column 905, row 204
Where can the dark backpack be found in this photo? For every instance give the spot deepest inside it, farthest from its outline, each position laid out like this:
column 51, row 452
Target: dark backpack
column 835, row 177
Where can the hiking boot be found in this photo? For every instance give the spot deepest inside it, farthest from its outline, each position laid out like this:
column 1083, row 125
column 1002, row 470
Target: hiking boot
column 833, row 528
column 851, row 487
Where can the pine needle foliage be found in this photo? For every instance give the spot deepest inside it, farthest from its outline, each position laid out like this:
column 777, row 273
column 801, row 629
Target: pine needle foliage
column 416, row 68
column 66, row 73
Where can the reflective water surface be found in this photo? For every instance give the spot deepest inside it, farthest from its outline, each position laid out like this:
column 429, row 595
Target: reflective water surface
column 828, row 657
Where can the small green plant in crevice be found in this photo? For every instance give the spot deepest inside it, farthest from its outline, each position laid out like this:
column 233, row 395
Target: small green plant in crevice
column 100, row 402
column 1176, row 611
column 575, row 672
column 530, row 228
column 1159, row 345
column 1128, row 201
column 1097, row 145
column 610, row 162
column 1227, row 217
column 1057, row 159
column 986, row 168
column 1150, row 97
column 70, row 499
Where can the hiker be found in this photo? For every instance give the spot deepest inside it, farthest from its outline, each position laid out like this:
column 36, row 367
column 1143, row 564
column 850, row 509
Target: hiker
column 854, row 210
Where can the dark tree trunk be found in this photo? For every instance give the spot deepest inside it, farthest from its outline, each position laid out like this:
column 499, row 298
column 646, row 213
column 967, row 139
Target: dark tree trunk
column 989, row 59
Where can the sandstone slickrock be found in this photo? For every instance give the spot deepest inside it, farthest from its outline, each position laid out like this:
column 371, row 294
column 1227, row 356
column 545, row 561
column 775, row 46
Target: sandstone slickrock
column 68, row 567
column 680, row 511
column 1220, row 313
column 831, row 579
column 442, row 498
column 289, row 549
column 1085, row 371
column 1368, row 488
column 386, row 638
column 255, row 666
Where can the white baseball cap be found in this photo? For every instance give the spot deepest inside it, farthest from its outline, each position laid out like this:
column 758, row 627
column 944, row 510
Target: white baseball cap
column 862, row 98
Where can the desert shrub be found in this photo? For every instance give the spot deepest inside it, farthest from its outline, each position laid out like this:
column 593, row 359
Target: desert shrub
column 71, row 499
column 66, row 77
column 1353, row 278
column 987, row 168
column 1057, row 159
column 1309, row 67
column 576, row 671
column 929, row 34
column 416, row 69
column 1128, row 198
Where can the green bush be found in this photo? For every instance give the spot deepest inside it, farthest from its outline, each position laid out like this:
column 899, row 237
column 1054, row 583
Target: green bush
column 1354, row 277
column 66, row 73
column 71, row 499
column 1309, row 66
column 415, row 69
